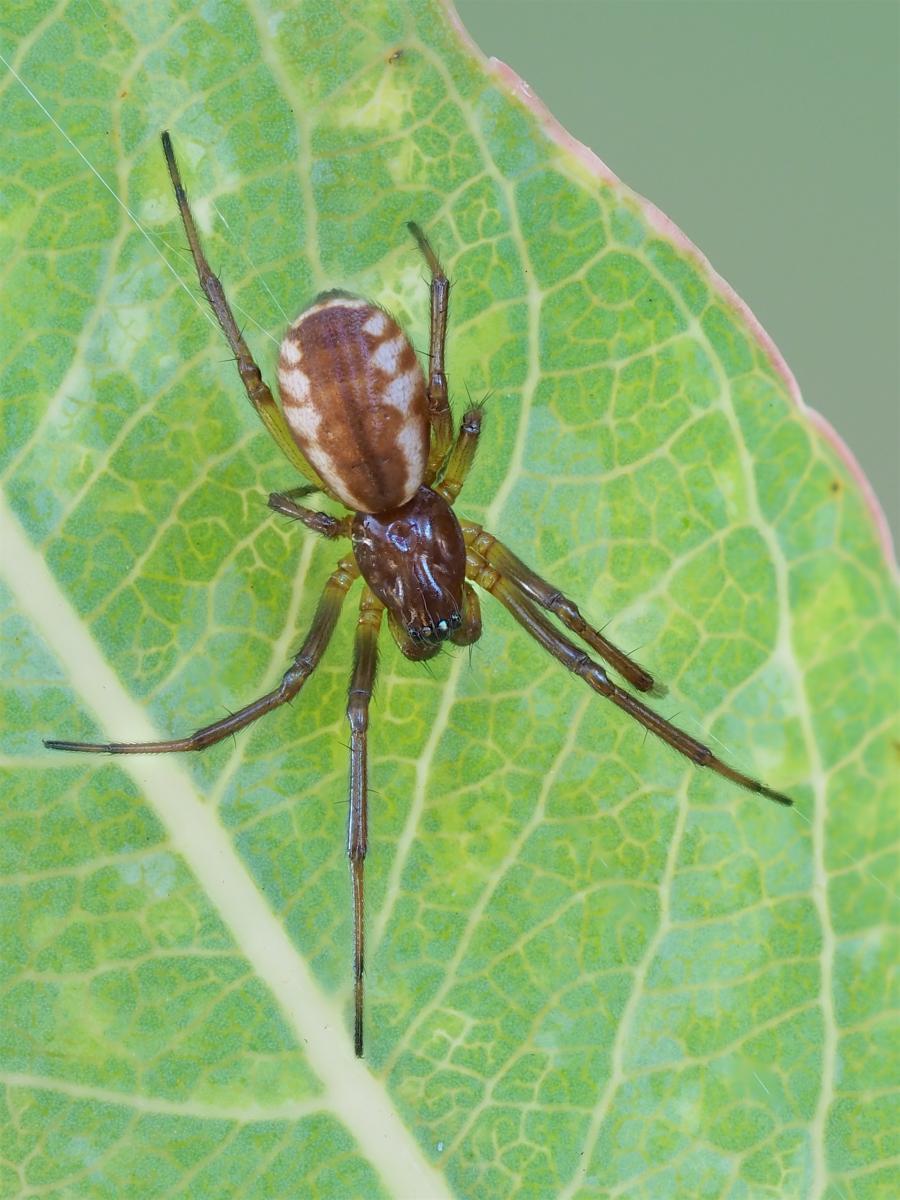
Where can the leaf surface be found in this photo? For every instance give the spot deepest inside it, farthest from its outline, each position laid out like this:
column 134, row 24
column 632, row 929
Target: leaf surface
column 593, row 970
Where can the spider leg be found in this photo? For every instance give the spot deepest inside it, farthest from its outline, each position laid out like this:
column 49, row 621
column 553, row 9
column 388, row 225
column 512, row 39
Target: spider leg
column 438, row 403
column 322, row 523
column 257, row 390
column 365, row 661
column 305, row 662
column 298, row 493
column 490, row 577
column 547, row 596
column 461, row 457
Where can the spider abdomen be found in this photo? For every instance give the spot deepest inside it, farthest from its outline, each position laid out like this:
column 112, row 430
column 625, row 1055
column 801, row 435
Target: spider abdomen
column 353, row 395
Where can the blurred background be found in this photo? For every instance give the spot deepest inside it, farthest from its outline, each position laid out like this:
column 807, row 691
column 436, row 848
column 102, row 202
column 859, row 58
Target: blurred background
column 770, row 133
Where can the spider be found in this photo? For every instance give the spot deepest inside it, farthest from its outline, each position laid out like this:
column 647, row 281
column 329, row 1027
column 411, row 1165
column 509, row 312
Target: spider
column 363, row 425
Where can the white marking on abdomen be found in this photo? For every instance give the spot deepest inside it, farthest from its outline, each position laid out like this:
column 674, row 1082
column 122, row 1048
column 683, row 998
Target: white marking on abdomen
column 290, row 351
column 409, row 445
column 401, row 391
column 304, row 421
column 386, row 356
column 376, row 325
column 331, row 302
column 294, row 386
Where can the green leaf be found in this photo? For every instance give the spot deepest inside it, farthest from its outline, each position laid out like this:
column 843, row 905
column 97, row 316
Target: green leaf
column 593, row 970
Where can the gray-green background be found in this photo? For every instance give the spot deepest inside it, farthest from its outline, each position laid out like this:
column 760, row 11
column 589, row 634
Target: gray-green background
column 770, row 133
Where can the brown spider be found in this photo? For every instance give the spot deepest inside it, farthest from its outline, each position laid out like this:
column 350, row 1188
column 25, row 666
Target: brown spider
column 360, row 422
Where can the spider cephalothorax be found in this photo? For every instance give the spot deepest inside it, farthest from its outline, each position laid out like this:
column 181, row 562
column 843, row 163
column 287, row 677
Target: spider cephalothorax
column 361, row 422
column 414, row 560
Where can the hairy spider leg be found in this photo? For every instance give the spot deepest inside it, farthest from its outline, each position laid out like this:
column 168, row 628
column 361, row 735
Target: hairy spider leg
column 547, row 596
column 305, row 662
column 461, row 457
column 365, row 662
column 456, row 471
column 322, row 523
column 493, row 580
column 438, row 402
column 257, row 389
column 300, row 492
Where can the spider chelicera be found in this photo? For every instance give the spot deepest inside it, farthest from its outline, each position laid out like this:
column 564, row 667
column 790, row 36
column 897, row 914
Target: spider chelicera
column 362, row 424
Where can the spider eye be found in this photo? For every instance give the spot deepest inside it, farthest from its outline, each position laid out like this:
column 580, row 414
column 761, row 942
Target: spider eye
column 442, row 629
column 455, row 621
column 425, row 631
column 413, row 633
